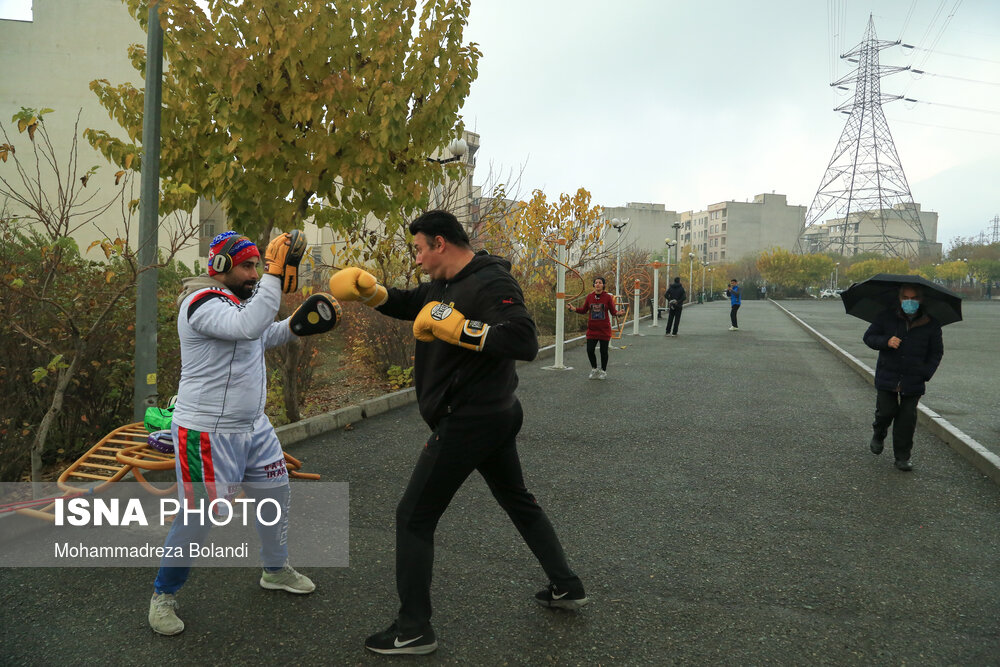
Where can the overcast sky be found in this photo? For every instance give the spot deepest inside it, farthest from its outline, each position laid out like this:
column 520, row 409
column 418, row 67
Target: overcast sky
column 692, row 102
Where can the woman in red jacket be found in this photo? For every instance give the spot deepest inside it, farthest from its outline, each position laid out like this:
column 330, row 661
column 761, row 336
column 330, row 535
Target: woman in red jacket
column 601, row 306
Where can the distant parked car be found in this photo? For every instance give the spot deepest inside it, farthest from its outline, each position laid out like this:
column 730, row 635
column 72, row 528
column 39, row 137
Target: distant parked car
column 829, row 294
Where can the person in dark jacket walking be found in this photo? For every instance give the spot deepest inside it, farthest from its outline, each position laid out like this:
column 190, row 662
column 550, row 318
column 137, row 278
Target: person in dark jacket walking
column 910, row 348
column 600, row 307
column 675, row 296
column 471, row 326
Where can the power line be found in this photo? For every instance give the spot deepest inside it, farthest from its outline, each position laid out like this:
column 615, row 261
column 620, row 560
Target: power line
column 953, row 55
column 944, row 127
column 956, row 78
column 951, row 106
column 906, row 22
column 937, row 38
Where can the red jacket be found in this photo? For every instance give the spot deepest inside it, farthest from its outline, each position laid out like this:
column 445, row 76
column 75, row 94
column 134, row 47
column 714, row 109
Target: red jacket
column 600, row 309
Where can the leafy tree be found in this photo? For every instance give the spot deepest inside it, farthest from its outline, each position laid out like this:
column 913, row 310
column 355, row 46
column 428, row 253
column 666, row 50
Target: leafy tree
column 985, row 270
column 816, row 269
column 781, row 267
column 866, row 269
column 527, row 236
column 528, row 233
column 953, row 271
column 290, row 109
column 286, row 110
column 971, row 249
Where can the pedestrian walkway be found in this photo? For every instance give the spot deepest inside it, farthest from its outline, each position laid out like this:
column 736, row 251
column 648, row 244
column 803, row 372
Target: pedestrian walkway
column 716, row 494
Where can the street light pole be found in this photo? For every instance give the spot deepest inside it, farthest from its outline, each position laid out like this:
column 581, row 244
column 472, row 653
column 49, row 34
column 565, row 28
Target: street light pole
column 619, row 225
column 836, row 273
column 703, row 265
column 690, row 270
column 677, row 245
column 144, row 381
column 458, row 148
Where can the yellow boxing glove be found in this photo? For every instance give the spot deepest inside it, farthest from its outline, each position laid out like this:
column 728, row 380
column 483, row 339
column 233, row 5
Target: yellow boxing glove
column 442, row 322
column 354, row 284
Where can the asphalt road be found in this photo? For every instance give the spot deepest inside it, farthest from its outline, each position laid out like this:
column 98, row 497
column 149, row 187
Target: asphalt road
column 715, row 493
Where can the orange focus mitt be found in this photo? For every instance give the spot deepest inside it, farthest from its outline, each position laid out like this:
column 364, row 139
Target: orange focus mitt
column 282, row 258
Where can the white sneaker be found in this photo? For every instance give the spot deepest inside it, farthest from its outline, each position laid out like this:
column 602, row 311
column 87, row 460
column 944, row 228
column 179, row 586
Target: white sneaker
column 602, row 375
column 163, row 614
column 286, row 579
column 734, row 328
column 593, row 374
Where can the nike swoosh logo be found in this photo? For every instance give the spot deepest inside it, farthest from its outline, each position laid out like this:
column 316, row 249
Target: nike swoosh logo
column 399, row 644
column 558, row 597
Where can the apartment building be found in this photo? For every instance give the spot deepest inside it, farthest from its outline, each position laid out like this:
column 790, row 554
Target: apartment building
column 49, row 62
column 648, row 228
column 885, row 231
column 723, row 231
column 729, row 230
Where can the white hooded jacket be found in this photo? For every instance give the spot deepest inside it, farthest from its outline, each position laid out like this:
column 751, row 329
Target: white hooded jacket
column 223, row 386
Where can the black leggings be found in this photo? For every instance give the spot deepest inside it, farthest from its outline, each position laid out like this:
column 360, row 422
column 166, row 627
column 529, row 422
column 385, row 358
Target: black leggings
column 591, row 344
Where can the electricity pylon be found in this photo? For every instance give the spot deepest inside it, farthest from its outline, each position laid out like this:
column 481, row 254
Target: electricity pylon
column 864, row 185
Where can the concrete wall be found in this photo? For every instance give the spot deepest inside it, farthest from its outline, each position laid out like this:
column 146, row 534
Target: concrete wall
column 50, row 62
column 648, row 228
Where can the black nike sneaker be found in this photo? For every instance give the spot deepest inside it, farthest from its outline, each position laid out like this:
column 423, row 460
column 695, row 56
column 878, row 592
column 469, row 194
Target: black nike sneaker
column 391, row 642
column 553, row 597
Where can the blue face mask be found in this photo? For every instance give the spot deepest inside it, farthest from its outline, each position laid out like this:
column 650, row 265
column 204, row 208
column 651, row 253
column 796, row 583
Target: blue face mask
column 910, row 306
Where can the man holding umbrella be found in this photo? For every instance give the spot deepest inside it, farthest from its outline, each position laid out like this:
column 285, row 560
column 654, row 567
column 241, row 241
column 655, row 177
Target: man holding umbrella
column 910, row 348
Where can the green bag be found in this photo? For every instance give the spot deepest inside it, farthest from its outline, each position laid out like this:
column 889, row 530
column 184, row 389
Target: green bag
column 158, row 419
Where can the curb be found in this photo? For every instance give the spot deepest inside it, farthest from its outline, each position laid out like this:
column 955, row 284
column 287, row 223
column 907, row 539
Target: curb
column 969, row 448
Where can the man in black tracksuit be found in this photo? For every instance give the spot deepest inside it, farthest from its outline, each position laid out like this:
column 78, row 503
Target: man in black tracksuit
column 910, row 348
column 675, row 296
column 471, row 326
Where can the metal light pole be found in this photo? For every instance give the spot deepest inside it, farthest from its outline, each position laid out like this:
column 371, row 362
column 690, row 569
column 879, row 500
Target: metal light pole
column 703, row 265
column 677, row 243
column 635, row 318
column 560, row 306
column 691, row 270
column 144, row 379
column 619, row 225
column 836, row 274
column 656, row 292
column 458, row 148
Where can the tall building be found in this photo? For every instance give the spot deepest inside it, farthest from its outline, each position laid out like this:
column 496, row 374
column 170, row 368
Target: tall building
column 49, row 62
column 867, row 231
column 729, row 230
column 721, row 232
column 648, row 227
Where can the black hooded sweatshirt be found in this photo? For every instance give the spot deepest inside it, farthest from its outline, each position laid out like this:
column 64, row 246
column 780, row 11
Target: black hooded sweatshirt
column 453, row 380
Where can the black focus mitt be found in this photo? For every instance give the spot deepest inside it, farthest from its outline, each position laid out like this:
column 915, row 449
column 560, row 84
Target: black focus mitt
column 317, row 314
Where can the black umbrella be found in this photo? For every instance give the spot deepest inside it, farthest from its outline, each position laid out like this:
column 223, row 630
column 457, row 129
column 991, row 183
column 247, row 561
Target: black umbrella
column 870, row 298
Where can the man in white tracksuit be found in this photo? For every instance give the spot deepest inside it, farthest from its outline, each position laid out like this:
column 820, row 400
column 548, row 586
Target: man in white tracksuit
column 222, row 435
